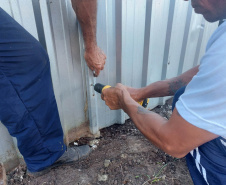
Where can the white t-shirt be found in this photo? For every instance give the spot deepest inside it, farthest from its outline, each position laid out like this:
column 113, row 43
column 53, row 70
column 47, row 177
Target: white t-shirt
column 203, row 103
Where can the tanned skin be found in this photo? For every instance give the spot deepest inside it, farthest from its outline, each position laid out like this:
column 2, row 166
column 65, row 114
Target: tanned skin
column 86, row 11
column 163, row 88
column 175, row 136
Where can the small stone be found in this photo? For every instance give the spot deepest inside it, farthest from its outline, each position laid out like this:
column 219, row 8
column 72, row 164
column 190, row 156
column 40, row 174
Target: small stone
column 163, row 177
column 102, row 177
column 107, row 163
column 94, row 147
column 94, row 142
column 124, row 156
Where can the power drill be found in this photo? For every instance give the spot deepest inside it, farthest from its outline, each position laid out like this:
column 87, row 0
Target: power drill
column 100, row 87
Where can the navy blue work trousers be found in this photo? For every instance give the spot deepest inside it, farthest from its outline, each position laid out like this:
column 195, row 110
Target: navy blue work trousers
column 207, row 163
column 27, row 103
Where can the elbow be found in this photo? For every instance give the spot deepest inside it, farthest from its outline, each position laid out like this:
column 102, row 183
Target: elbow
column 175, row 151
column 178, row 155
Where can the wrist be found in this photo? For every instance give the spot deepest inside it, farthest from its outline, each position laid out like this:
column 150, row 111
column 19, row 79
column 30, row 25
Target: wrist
column 141, row 94
column 90, row 47
column 127, row 101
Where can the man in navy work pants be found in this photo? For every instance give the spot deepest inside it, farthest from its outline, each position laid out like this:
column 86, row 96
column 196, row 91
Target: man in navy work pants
column 197, row 127
column 27, row 101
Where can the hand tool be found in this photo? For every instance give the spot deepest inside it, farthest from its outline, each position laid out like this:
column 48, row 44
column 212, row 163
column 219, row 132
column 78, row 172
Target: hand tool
column 100, row 87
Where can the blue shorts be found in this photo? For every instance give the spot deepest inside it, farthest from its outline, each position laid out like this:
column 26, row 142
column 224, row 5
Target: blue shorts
column 27, row 103
column 207, row 163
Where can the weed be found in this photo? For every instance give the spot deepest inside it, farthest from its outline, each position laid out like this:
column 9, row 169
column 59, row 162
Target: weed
column 157, row 178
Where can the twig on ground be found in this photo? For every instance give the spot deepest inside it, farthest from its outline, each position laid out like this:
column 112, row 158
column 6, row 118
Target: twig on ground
column 122, row 170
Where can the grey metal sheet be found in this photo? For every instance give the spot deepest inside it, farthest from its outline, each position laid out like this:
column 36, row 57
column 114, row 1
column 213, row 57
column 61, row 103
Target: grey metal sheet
column 61, row 33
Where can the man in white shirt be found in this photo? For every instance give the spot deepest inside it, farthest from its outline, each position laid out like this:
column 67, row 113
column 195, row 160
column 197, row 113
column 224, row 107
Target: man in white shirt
column 197, row 127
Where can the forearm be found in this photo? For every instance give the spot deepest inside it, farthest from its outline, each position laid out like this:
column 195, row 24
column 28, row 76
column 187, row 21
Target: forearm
column 175, row 136
column 152, row 125
column 167, row 87
column 86, row 11
column 149, row 123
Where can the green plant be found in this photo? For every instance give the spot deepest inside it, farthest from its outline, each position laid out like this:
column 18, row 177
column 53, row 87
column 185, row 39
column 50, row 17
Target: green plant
column 157, row 178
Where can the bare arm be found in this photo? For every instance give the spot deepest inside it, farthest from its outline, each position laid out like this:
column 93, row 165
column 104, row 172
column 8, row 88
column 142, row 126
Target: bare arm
column 163, row 88
column 176, row 136
column 86, row 11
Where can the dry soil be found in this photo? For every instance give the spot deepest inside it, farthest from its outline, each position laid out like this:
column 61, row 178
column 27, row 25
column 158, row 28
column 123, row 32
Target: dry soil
column 122, row 155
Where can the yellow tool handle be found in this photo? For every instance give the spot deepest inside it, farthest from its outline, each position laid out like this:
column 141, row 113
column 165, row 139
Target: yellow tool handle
column 100, row 87
column 106, row 86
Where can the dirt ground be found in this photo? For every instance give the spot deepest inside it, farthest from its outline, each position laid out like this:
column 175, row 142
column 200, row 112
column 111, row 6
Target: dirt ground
column 121, row 156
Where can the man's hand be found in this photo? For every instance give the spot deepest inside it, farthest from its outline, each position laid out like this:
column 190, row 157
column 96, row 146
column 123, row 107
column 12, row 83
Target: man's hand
column 95, row 59
column 115, row 97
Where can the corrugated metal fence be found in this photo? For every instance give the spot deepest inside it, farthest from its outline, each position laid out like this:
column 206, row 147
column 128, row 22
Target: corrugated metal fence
column 144, row 40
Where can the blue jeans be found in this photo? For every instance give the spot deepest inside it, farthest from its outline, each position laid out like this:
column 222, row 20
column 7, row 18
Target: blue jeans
column 27, row 103
column 207, row 163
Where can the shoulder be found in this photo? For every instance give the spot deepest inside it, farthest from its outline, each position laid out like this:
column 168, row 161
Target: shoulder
column 218, row 37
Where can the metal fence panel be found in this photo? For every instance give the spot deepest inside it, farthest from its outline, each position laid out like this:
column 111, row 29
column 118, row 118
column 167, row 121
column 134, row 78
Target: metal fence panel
column 62, row 43
column 154, row 40
column 144, row 40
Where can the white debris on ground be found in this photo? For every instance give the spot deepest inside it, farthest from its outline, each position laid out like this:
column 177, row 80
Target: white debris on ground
column 107, row 163
column 94, row 143
column 75, row 144
column 102, row 177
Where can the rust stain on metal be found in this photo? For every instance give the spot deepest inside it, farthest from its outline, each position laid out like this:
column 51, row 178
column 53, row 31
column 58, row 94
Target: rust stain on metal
column 86, row 109
column 78, row 132
column 11, row 163
column 2, row 175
